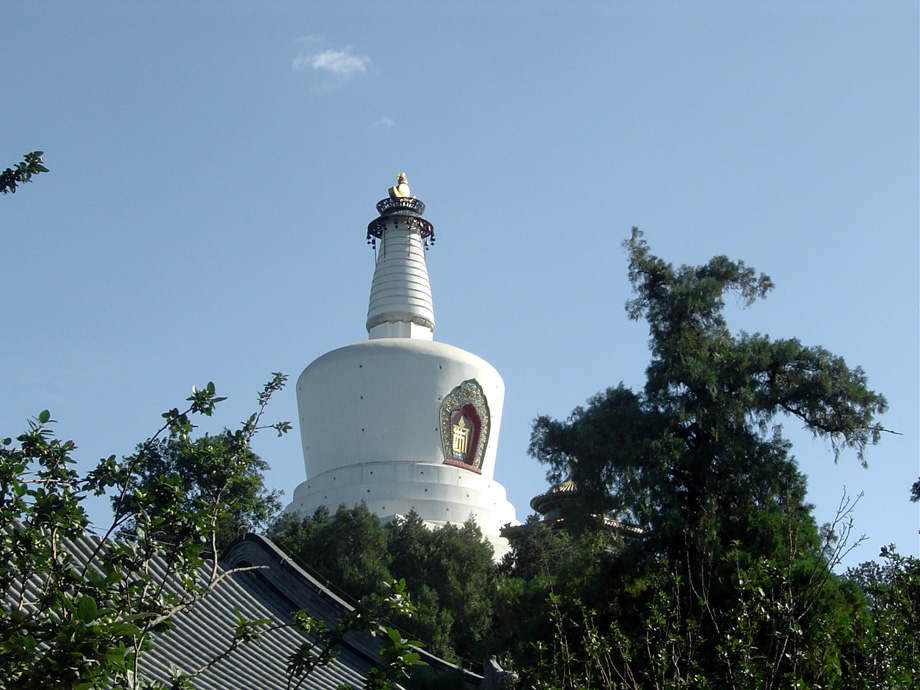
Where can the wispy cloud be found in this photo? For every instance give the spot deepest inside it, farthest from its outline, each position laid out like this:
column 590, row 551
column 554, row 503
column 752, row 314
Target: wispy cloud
column 383, row 122
column 339, row 65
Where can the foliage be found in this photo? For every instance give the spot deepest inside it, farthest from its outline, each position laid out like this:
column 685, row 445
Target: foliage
column 22, row 173
column 451, row 576
column 80, row 610
column 348, row 547
column 539, row 553
column 545, row 563
column 701, row 439
column 734, row 622
column 321, row 642
column 732, row 583
column 886, row 649
column 448, row 571
column 178, row 477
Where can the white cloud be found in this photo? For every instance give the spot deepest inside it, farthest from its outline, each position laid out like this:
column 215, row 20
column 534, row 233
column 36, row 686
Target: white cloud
column 340, row 64
column 383, row 122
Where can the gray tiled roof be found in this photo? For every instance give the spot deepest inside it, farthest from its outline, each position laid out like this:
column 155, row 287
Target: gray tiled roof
column 274, row 589
column 205, row 632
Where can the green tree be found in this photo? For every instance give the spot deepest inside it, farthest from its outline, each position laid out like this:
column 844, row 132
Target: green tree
column 348, row 548
column 703, row 439
column 452, row 579
column 22, row 173
column 542, row 581
column 886, row 648
column 84, row 622
column 182, row 475
column 732, row 581
column 448, row 571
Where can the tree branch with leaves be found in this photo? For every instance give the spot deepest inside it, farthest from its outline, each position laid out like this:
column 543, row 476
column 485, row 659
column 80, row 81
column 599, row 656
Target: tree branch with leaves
column 22, row 173
column 80, row 610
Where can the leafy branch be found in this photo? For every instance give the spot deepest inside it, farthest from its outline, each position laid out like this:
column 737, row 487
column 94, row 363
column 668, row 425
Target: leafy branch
column 22, row 172
column 85, row 607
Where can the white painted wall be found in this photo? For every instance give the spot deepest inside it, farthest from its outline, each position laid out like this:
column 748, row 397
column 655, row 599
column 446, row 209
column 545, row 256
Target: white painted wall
column 379, row 400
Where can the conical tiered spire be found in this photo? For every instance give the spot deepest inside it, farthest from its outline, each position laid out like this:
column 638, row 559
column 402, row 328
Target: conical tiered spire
column 400, row 302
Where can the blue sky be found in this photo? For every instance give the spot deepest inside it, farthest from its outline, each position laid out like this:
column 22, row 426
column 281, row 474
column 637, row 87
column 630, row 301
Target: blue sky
column 214, row 167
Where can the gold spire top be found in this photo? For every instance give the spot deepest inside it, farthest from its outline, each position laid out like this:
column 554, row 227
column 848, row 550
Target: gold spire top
column 401, row 190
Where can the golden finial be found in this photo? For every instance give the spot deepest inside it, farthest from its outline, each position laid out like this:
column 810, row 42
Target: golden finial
column 401, row 190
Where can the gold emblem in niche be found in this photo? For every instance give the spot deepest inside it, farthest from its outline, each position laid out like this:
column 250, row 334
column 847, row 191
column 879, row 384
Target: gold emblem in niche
column 460, row 438
column 465, row 423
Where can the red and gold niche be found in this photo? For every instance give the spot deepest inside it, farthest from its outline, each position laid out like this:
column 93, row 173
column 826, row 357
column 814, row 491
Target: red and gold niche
column 465, row 426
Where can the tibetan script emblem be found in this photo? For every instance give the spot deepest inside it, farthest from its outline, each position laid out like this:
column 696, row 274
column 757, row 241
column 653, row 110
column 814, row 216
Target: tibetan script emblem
column 465, row 426
column 460, row 438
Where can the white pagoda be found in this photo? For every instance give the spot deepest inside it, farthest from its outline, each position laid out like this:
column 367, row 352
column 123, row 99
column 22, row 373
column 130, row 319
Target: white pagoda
column 399, row 421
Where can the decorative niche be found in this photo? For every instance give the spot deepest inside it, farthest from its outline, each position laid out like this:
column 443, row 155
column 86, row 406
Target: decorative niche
column 465, row 423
